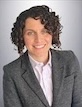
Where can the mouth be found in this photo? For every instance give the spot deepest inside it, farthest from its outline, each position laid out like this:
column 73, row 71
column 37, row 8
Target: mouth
column 39, row 46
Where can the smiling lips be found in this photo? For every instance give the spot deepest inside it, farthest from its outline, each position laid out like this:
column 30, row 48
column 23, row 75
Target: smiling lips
column 39, row 46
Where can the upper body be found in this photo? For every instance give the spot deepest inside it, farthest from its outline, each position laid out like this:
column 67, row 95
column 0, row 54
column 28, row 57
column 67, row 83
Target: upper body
column 38, row 29
column 22, row 89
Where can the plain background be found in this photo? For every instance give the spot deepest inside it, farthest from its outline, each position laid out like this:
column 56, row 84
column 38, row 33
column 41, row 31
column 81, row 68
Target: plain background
column 70, row 12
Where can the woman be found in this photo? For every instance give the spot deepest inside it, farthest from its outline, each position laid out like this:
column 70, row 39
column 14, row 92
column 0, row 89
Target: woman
column 42, row 76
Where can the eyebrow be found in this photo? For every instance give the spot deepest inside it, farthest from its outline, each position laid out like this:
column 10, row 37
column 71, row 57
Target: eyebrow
column 33, row 30
column 29, row 30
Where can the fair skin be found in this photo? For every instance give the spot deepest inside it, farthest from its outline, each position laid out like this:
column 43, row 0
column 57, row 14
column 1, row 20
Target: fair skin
column 37, row 39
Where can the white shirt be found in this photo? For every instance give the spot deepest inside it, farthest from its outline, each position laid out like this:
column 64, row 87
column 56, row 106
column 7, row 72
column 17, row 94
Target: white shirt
column 44, row 76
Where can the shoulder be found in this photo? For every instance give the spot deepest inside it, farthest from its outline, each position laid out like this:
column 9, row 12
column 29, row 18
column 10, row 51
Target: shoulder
column 67, row 57
column 66, row 54
column 15, row 65
column 68, row 60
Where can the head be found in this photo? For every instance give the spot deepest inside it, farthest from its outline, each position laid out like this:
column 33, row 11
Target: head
column 47, row 18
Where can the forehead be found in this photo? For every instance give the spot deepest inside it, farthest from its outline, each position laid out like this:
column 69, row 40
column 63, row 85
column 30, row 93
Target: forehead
column 31, row 22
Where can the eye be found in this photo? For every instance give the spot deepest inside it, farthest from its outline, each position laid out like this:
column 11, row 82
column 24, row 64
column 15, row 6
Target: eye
column 45, row 31
column 30, row 33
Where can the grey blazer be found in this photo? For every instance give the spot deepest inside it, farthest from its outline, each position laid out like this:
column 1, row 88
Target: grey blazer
column 22, row 89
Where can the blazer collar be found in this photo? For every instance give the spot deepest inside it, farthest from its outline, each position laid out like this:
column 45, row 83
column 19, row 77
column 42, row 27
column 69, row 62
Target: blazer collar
column 57, row 76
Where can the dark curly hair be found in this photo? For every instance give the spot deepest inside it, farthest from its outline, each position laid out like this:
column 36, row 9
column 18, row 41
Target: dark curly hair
column 48, row 18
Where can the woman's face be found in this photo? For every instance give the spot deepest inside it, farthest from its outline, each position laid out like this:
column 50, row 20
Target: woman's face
column 37, row 39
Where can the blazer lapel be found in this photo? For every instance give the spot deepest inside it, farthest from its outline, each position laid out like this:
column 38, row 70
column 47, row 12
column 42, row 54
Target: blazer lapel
column 32, row 81
column 57, row 75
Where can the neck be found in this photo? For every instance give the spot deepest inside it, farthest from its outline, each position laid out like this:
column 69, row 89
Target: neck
column 43, row 59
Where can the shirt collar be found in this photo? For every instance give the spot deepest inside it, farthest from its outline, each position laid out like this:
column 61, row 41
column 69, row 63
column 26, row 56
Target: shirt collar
column 35, row 63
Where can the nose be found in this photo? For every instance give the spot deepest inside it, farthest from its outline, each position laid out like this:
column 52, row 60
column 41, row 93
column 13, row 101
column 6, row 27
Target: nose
column 38, row 38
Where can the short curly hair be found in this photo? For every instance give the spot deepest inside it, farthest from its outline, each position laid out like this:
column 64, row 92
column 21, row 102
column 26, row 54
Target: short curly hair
column 48, row 18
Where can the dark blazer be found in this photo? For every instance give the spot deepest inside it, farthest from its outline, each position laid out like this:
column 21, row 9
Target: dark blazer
column 22, row 89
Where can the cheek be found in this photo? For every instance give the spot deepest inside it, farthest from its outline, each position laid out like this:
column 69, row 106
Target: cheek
column 49, row 39
column 27, row 41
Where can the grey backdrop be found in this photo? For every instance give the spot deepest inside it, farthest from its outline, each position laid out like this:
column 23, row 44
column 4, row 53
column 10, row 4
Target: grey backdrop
column 70, row 12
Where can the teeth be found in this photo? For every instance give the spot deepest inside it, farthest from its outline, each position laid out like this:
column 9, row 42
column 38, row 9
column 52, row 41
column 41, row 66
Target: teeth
column 41, row 46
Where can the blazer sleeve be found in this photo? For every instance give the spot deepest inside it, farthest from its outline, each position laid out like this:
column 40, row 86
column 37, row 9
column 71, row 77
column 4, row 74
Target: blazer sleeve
column 10, row 95
column 77, row 88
